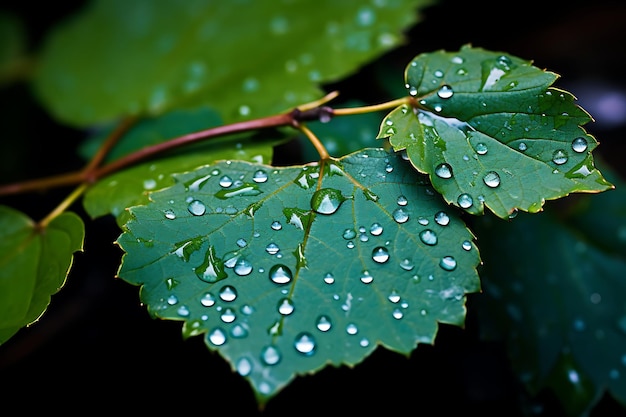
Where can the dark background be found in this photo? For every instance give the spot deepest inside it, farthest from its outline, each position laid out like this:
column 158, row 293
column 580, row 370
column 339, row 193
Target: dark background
column 97, row 350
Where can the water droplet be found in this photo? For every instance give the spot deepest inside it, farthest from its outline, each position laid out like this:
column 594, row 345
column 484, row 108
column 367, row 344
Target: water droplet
column 276, row 225
column 492, row 179
column 285, row 307
column 305, row 343
column 445, row 91
column 241, row 242
column 272, row 248
column 207, row 299
column 259, row 176
column 380, row 255
column 466, row 245
column 579, row 144
column 481, row 148
column 559, row 157
column 270, row 355
column 465, row 201
column 349, row 234
column 397, row 314
column 172, row 300
column 197, row 208
column 394, row 297
column 350, row 245
column 376, row 229
column 169, row 214
column 442, row 218
column 448, row 263
column 228, row 315
column 226, row 181
column 183, row 311
column 407, row 264
column 323, row 323
column 244, row 366
column 428, row 237
column 389, row 168
column 444, row 171
column 352, row 329
column 217, row 337
column 326, row 200
column 402, row 201
column 400, row 215
column 242, row 267
column 366, row 278
column 329, row 278
column 228, row 293
column 280, row 274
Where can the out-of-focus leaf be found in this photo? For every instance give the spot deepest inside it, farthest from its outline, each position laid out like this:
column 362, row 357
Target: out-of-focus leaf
column 287, row 270
column 34, row 264
column 556, row 294
column 245, row 58
column 489, row 130
column 12, row 47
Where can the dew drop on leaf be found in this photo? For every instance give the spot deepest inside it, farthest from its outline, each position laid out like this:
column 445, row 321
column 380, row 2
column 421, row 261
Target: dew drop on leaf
column 428, row 237
column 169, row 214
column 579, row 145
column 172, row 300
column 280, row 274
column 326, row 200
column 402, row 200
column 228, row 315
column 270, row 355
column 481, row 148
column 465, row 201
column 466, row 245
column 492, row 179
column 272, row 248
column 349, row 234
column 380, row 255
column 285, row 307
column 217, row 337
column 207, row 299
column 276, row 225
column 352, row 329
column 397, row 314
column 244, row 366
column 559, row 157
column 329, row 278
column 442, row 218
column 400, row 215
column 323, row 323
column 260, row 176
column 197, row 208
column 407, row 264
column 445, row 91
column 305, row 343
column 444, row 171
column 448, row 263
column 242, row 267
column 226, row 181
column 366, row 278
column 228, row 293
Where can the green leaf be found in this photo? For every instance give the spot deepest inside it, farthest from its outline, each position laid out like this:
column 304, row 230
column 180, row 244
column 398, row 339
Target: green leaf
column 248, row 60
column 116, row 192
column 490, row 131
column 556, row 296
column 287, row 270
column 34, row 264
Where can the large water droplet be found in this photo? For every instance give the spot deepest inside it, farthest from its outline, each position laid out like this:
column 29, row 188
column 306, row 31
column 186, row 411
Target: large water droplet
column 559, row 157
column 428, row 237
column 323, row 323
column 197, row 208
column 465, row 201
column 445, row 91
column 444, row 171
column 228, row 315
column 579, row 144
column 285, row 307
column 228, row 293
column 380, row 255
column 448, row 263
column 270, row 355
column 442, row 218
column 394, row 297
column 329, row 278
column 226, row 181
column 492, row 179
column 207, row 299
column 400, row 215
column 217, row 337
column 305, row 343
column 326, row 200
column 242, row 267
column 280, row 274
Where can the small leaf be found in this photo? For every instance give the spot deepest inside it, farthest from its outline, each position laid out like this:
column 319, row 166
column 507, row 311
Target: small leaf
column 490, row 131
column 33, row 265
column 287, row 270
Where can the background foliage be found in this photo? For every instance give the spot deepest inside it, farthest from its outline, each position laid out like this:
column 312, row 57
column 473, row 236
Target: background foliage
column 95, row 330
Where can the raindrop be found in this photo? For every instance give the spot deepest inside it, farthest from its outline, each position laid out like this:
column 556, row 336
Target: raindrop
column 241, row 242
column 349, row 234
column 276, row 225
column 228, row 316
column 217, row 337
column 428, row 237
column 323, row 323
column 285, row 307
column 172, row 300
column 522, row 146
column 442, row 218
column 270, row 355
column 350, row 245
column 444, row 171
column 376, row 229
column 228, row 293
column 244, row 366
column 491, row 179
column 380, row 255
column 364, row 342
column 326, row 200
column 466, row 245
column 407, row 264
column 402, row 200
column 226, row 181
column 329, row 278
column 272, row 248
column 169, row 214
column 305, row 344
column 280, row 274
column 197, row 208
column 448, row 263
column 366, row 278
column 389, row 168
column 465, row 201
column 183, row 311
column 481, row 148
column 445, row 91
column 259, row 176
column 207, row 299
column 397, row 314
column 363, row 237
column 579, row 144
column 400, row 215
column 352, row 329
column 559, row 157
column 423, row 221
column 394, row 297
column 242, row 267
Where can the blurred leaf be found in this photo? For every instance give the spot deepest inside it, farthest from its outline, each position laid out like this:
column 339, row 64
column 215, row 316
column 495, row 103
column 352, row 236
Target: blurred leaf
column 490, row 131
column 245, row 58
column 12, row 48
column 33, row 265
column 287, row 270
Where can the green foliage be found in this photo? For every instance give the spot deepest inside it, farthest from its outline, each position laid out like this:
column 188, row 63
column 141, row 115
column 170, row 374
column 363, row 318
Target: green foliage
column 371, row 241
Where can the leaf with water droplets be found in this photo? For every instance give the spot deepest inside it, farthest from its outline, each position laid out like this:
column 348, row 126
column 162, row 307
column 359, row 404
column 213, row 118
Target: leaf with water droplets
column 247, row 60
column 560, row 308
column 317, row 266
column 35, row 263
column 489, row 130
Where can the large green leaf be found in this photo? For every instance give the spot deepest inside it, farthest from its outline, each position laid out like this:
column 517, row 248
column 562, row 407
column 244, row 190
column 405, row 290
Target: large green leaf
column 246, row 58
column 34, row 264
column 556, row 294
column 287, row 270
column 489, row 130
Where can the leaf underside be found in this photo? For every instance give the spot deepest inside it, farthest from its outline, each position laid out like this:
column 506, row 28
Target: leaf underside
column 287, row 270
column 490, row 131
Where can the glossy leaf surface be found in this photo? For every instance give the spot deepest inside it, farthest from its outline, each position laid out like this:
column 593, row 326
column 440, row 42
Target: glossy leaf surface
column 489, row 130
column 287, row 270
column 33, row 265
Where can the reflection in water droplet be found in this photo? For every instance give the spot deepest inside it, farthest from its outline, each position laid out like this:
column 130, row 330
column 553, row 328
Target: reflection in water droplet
column 197, row 208
column 259, row 176
column 445, row 91
column 448, row 263
column 172, row 300
column 444, row 171
column 394, row 297
column 285, row 307
column 352, row 329
column 380, row 255
column 305, row 343
column 228, row 293
column 579, row 144
column 242, row 267
column 326, row 200
column 559, row 157
column 349, row 234
column 376, row 229
column 226, row 181
column 228, row 315
column 207, row 299
column 323, row 323
column 366, row 278
column 442, row 218
column 481, row 148
column 272, row 248
column 244, row 366
column 492, row 179
column 397, row 314
column 169, row 214
column 428, row 237
column 400, row 215
column 465, row 201
column 276, row 225
column 467, row 245
column 402, row 200
column 329, row 278
column 280, row 274
column 217, row 337
column 270, row 355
